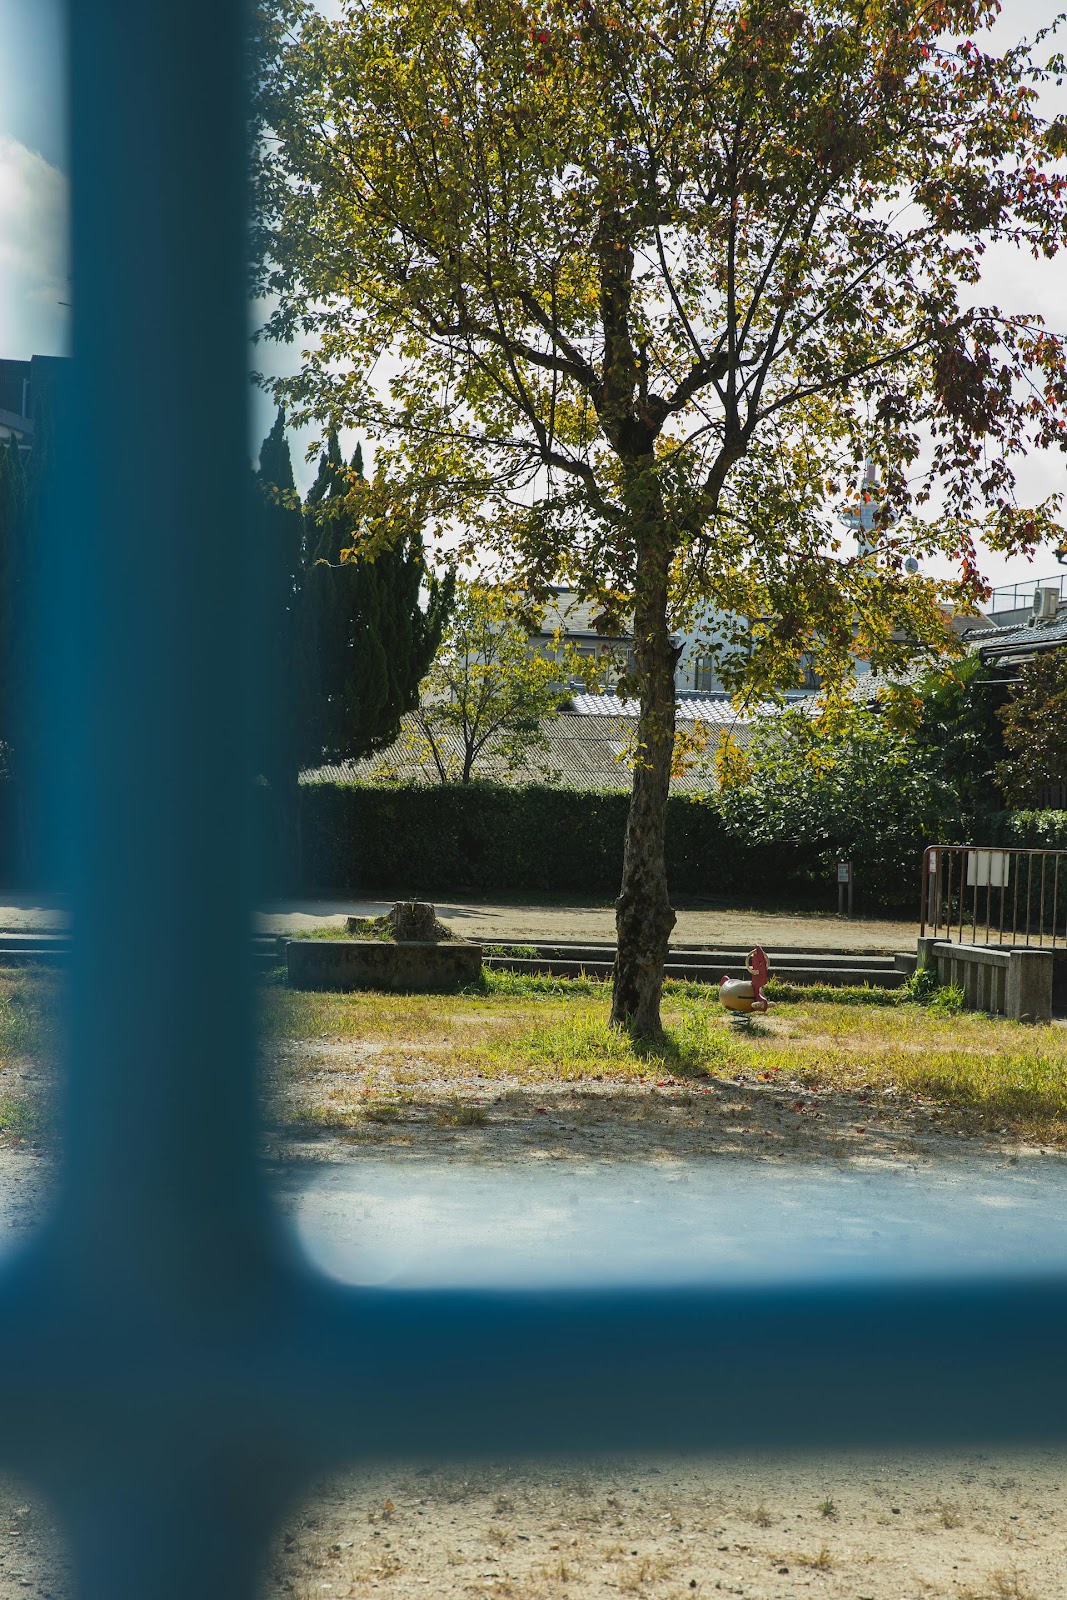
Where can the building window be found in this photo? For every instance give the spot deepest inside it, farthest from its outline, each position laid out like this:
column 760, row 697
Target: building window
column 704, row 679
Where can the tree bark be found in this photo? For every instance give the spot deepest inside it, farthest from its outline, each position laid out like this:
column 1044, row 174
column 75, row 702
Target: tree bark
column 643, row 914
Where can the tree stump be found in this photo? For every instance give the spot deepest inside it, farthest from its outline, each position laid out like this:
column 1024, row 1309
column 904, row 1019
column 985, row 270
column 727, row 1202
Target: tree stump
column 416, row 920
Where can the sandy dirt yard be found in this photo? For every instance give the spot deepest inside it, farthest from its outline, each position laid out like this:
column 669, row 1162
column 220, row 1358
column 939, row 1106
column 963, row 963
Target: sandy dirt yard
column 890, row 1528
column 699, row 924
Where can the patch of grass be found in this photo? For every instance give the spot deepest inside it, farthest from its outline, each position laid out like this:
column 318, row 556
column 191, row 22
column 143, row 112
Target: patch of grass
column 461, row 1114
column 29, row 1012
column 847, row 994
column 382, row 1111
column 585, row 1044
column 516, row 952
column 828, row 1509
column 319, row 1116
column 822, row 1562
column 1003, row 1076
column 921, row 984
column 1000, row 1585
column 924, row 988
column 646, row 1570
column 947, row 1000
column 498, row 981
column 21, row 1122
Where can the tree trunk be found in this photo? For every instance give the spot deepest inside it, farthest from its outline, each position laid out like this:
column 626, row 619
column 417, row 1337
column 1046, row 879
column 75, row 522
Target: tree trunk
column 643, row 914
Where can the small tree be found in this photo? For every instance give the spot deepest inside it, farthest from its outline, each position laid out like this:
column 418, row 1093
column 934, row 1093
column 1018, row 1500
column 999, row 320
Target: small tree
column 288, row 733
column 487, row 692
column 953, row 718
column 1035, row 730
column 853, row 784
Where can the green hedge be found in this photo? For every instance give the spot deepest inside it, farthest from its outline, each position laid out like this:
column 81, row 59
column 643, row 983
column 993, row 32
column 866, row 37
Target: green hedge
column 476, row 837
column 1030, row 830
column 491, row 838
column 486, row 837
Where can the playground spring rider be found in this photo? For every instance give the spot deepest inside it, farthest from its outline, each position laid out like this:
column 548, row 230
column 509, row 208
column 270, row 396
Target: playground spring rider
column 746, row 994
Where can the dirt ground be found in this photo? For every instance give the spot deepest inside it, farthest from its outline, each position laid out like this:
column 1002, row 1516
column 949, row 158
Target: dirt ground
column 698, row 924
column 973, row 1527
column 976, row 1526
column 660, row 1118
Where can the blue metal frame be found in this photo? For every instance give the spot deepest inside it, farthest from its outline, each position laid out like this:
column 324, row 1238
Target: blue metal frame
column 169, row 1371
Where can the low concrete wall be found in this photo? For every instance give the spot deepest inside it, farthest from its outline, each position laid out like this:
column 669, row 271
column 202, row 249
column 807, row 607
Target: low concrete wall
column 382, row 964
column 1009, row 980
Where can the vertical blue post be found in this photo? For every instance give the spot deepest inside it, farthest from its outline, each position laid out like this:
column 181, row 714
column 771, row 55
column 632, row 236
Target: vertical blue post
column 148, row 636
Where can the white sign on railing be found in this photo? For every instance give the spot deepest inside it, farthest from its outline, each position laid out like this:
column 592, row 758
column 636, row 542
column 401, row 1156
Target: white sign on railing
column 988, row 869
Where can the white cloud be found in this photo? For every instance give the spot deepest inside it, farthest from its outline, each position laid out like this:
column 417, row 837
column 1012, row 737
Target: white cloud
column 34, row 206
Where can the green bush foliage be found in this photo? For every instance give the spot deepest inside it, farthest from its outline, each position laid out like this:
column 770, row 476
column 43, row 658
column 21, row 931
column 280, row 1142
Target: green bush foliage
column 491, row 838
column 1035, row 729
column 1030, row 830
column 856, row 789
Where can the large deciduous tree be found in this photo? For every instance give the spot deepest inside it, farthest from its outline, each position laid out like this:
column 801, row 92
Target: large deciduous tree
column 651, row 279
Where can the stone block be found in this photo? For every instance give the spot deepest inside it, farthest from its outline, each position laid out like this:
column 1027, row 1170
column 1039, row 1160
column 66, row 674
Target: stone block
column 1028, row 996
column 401, row 965
column 1008, row 980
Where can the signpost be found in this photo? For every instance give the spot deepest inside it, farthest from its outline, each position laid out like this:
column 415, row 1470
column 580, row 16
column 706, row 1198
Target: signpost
column 844, row 879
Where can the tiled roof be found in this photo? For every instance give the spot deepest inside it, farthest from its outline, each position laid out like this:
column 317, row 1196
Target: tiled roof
column 867, row 688
column 1023, row 639
column 577, row 752
column 714, row 711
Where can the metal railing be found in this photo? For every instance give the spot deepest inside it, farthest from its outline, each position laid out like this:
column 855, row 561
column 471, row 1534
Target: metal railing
column 976, row 894
column 171, row 1370
column 1020, row 596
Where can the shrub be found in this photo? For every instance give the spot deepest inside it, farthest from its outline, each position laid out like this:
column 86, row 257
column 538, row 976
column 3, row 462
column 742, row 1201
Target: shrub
column 857, row 789
column 491, row 838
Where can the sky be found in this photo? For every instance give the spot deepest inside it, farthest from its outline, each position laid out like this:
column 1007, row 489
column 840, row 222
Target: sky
column 34, row 320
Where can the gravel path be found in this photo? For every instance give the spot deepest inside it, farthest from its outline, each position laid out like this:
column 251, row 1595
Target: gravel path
column 698, row 924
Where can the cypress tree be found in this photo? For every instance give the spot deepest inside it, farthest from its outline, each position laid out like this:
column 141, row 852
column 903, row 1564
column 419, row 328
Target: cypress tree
column 24, row 486
column 373, row 639
column 287, row 742
column 348, row 641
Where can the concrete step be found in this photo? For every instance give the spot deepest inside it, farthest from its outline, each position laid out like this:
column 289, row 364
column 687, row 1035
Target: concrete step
column 563, row 959
column 690, row 955
column 837, row 975
column 53, row 950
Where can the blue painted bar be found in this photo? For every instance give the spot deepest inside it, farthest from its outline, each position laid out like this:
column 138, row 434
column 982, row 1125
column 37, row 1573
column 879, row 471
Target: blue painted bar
column 150, row 631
